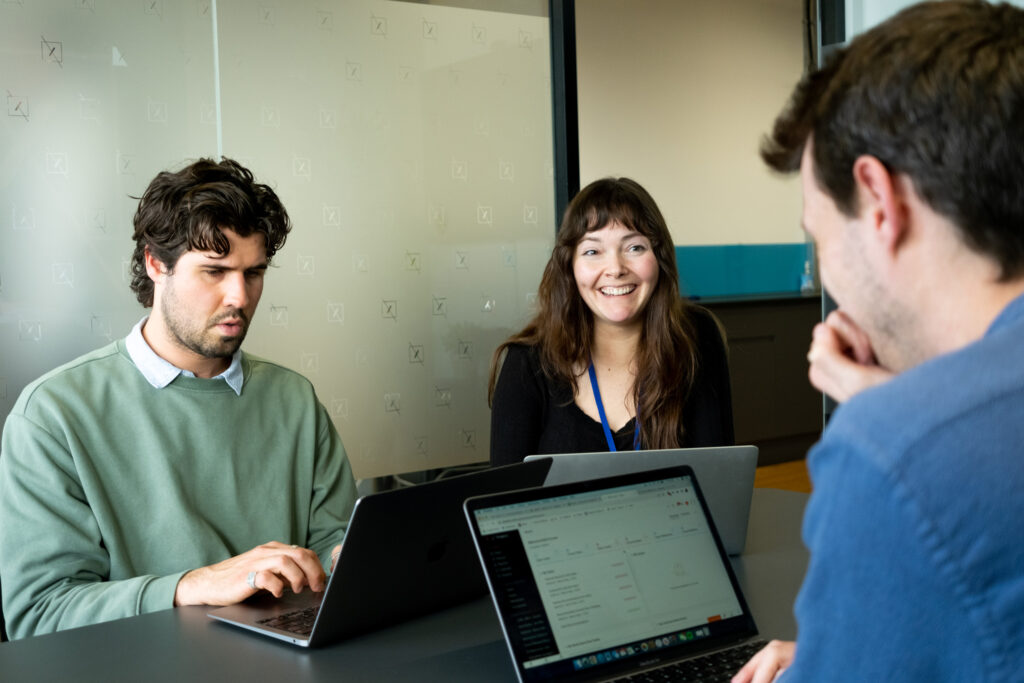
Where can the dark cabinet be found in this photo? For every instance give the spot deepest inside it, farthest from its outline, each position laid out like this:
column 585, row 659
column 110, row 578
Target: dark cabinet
column 774, row 405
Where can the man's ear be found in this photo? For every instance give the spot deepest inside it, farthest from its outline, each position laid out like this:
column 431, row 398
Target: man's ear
column 880, row 201
column 155, row 268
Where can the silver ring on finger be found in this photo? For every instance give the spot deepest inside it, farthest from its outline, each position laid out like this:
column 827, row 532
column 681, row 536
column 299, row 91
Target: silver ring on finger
column 252, row 580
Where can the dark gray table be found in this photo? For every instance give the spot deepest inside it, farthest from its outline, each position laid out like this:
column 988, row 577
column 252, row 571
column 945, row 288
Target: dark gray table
column 460, row 644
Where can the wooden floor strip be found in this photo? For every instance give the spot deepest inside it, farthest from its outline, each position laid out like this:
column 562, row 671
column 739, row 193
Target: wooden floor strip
column 789, row 476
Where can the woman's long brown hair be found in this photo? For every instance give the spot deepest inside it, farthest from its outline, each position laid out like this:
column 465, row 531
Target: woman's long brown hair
column 563, row 328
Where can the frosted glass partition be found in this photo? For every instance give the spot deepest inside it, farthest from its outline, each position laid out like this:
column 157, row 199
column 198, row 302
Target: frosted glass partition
column 411, row 143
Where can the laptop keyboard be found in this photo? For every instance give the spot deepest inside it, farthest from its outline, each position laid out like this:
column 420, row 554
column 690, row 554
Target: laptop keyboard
column 717, row 666
column 300, row 621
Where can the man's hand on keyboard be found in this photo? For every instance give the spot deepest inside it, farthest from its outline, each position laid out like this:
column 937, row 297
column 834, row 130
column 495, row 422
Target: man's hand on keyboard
column 271, row 567
column 767, row 664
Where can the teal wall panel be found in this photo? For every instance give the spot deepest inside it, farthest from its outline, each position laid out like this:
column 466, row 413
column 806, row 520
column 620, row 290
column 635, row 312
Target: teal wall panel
column 737, row 270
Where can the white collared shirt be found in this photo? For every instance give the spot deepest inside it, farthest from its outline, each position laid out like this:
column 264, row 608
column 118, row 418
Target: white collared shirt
column 160, row 373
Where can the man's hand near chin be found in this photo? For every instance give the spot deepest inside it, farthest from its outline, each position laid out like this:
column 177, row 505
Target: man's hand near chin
column 272, row 567
column 842, row 362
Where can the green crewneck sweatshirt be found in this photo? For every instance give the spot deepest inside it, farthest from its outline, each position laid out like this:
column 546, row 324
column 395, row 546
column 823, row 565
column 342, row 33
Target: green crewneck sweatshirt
column 111, row 489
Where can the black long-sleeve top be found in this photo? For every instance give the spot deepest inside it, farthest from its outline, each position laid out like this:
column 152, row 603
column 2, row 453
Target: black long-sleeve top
column 532, row 414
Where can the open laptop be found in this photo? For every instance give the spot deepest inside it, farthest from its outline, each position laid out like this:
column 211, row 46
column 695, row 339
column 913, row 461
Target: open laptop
column 407, row 552
column 607, row 578
column 726, row 476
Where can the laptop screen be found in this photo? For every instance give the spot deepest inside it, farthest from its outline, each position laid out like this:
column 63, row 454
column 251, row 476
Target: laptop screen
column 616, row 574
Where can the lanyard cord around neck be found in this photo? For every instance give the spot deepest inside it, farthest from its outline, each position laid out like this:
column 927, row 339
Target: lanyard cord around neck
column 604, row 419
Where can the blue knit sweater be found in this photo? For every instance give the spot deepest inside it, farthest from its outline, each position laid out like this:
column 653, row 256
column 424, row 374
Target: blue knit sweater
column 916, row 524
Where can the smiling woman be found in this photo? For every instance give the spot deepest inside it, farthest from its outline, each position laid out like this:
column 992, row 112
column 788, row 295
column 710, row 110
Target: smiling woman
column 615, row 358
column 616, row 273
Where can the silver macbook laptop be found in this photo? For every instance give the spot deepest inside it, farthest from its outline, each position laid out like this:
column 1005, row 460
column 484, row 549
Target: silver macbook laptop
column 407, row 552
column 726, row 476
column 608, row 578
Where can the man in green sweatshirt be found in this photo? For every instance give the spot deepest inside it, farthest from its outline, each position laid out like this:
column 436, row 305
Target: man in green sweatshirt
column 170, row 468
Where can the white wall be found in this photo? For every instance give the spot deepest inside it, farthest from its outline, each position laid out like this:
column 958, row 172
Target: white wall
column 863, row 14
column 677, row 94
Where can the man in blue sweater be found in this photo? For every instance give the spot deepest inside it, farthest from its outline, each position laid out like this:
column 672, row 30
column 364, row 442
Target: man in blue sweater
column 910, row 144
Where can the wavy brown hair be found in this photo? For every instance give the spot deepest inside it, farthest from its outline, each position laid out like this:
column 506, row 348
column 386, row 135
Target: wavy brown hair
column 936, row 93
column 186, row 210
column 563, row 328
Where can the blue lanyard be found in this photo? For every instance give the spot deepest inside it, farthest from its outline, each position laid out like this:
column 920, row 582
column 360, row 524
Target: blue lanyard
column 604, row 418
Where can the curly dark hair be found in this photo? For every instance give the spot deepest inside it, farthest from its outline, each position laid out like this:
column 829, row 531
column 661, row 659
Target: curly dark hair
column 563, row 329
column 187, row 210
column 935, row 93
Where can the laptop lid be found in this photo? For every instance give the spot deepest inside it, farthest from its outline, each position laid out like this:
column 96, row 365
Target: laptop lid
column 607, row 577
column 726, row 476
column 407, row 552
